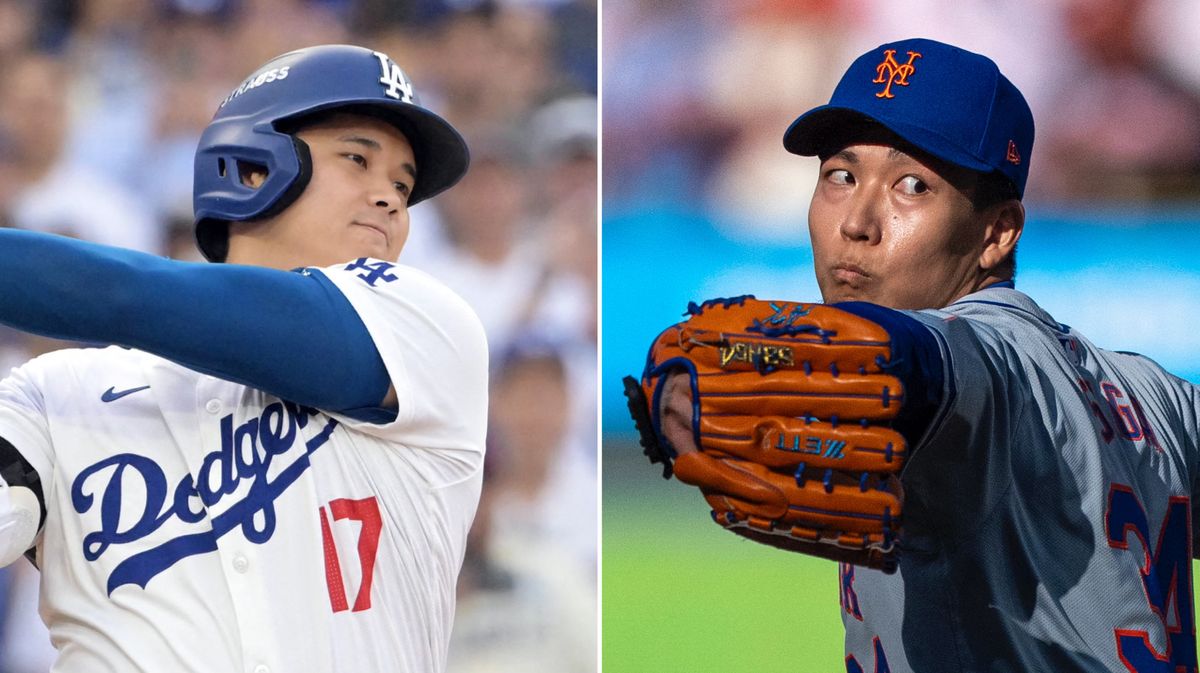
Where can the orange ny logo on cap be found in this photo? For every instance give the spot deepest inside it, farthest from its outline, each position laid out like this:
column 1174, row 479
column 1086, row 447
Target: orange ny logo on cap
column 892, row 71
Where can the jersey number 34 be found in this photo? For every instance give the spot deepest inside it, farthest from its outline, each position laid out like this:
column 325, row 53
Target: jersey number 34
column 1166, row 572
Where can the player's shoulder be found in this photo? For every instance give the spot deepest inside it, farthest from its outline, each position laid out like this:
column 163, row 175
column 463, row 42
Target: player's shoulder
column 988, row 316
column 1169, row 401
column 999, row 318
column 1003, row 306
column 1015, row 321
column 390, row 287
column 1148, row 370
column 388, row 277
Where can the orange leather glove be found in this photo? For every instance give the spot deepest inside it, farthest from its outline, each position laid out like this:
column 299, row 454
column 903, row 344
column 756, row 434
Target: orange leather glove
column 790, row 408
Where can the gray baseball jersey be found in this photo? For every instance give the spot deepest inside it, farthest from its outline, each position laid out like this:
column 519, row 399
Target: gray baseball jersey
column 1048, row 510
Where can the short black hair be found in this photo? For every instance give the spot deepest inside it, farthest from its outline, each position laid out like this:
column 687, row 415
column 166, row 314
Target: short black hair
column 991, row 189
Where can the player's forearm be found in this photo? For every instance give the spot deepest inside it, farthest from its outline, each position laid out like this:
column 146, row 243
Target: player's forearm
column 289, row 334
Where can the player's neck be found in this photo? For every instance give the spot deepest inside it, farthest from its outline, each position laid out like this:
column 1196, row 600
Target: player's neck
column 272, row 261
column 984, row 281
column 252, row 253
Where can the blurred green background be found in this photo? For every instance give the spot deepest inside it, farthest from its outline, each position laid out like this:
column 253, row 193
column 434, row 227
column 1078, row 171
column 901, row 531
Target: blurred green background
column 680, row 594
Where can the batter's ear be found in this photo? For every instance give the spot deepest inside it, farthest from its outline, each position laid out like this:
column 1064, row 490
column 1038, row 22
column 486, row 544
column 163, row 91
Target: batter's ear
column 1005, row 221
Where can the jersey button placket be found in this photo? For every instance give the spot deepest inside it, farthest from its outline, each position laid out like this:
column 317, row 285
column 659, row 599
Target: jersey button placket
column 241, row 563
column 213, row 406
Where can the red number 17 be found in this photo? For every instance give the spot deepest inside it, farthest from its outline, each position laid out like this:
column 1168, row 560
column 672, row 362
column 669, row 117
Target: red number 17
column 367, row 512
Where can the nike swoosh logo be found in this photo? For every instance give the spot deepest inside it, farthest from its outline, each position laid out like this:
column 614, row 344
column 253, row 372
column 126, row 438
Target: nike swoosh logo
column 111, row 395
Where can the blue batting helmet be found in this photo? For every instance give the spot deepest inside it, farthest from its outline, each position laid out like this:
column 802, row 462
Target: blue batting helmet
column 252, row 127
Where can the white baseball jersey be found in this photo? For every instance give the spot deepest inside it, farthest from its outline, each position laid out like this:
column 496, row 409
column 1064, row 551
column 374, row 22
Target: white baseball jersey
column 1048, row 510
column 198, row 525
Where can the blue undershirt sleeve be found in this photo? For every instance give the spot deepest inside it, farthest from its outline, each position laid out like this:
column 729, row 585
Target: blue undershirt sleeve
column 916, row 361
column 290, row 334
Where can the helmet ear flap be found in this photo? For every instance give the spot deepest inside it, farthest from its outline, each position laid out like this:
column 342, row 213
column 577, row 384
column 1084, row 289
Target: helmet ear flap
column 212, row 235
column 298, row 185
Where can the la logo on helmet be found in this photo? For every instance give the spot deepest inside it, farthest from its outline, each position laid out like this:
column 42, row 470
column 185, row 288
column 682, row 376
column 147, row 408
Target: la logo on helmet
column 398, row 86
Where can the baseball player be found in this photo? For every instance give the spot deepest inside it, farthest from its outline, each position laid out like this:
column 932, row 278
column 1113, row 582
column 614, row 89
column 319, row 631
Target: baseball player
column 275, row 466
column 1043, row 516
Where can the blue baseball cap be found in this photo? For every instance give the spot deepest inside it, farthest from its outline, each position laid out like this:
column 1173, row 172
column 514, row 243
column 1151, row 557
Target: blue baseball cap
column 951, row 103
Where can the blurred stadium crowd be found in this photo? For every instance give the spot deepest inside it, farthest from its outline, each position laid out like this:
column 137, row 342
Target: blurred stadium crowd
column 707, row 89
column 101, row 104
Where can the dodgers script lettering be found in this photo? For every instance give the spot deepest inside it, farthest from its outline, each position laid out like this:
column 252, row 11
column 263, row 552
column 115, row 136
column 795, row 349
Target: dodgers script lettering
column 246, row 454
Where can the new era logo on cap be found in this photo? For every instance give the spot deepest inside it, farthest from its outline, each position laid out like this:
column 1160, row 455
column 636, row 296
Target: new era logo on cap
column 1013, row 156
column 949, row 102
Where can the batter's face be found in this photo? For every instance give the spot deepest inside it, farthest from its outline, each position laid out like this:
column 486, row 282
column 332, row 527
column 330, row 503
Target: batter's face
column 888, row 229
column 355, row 205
